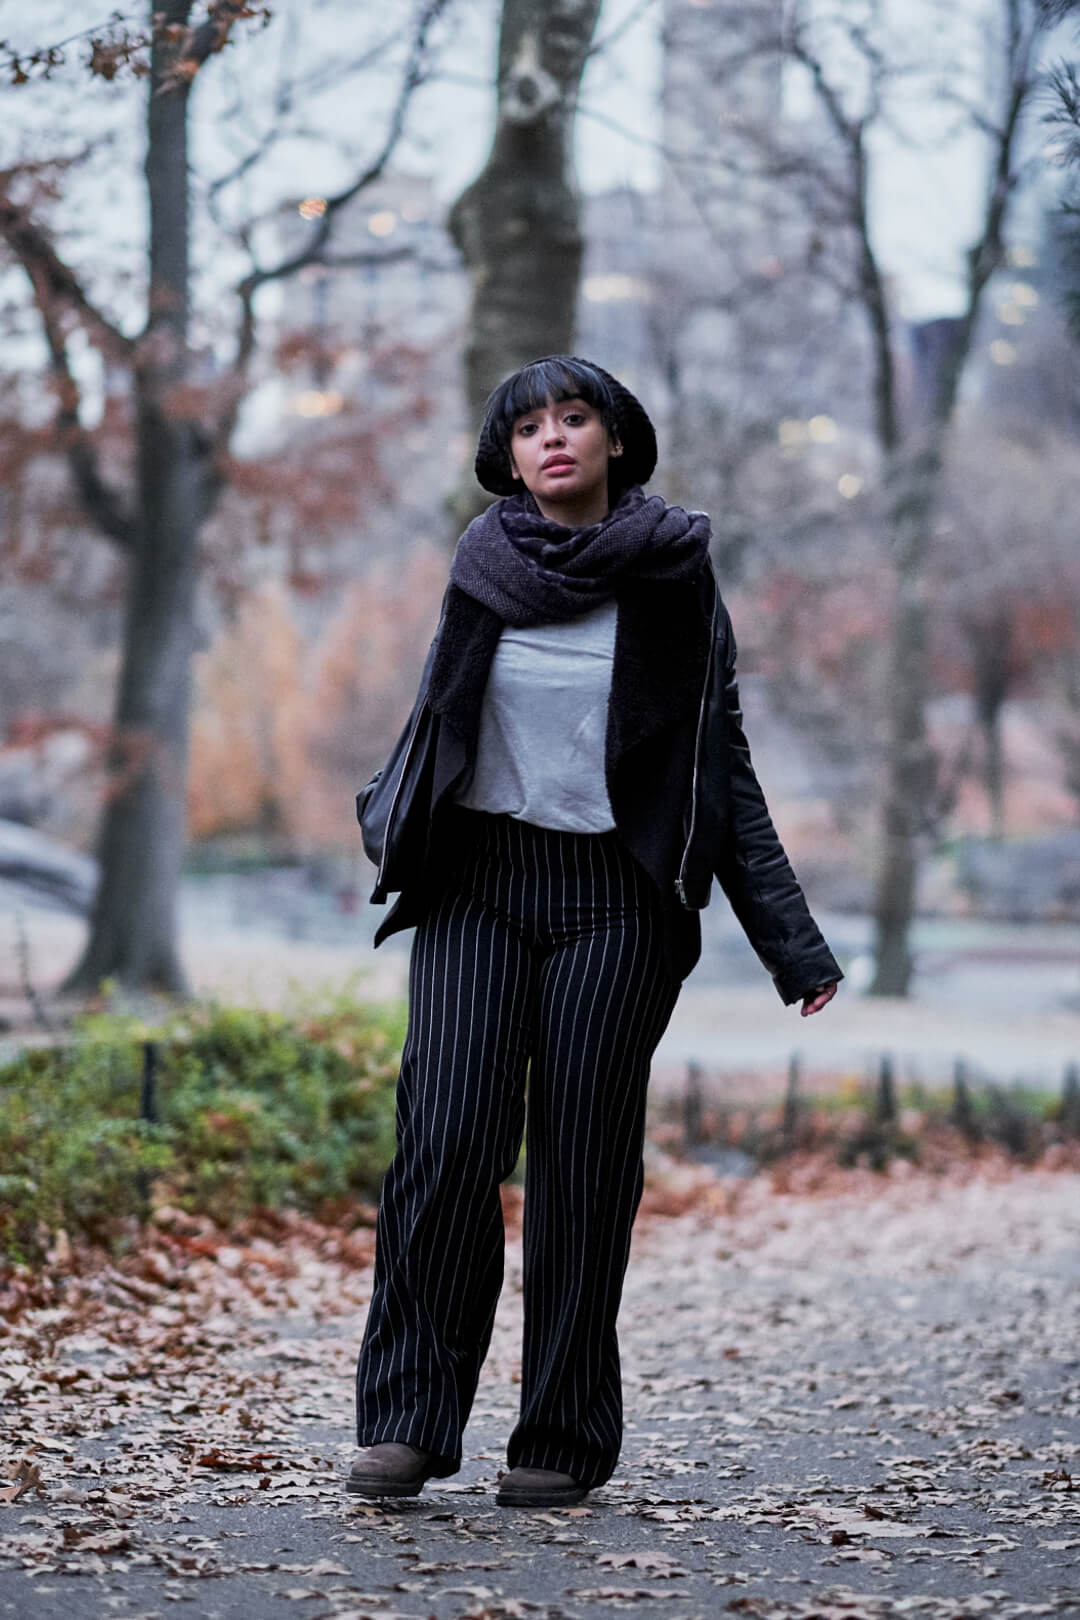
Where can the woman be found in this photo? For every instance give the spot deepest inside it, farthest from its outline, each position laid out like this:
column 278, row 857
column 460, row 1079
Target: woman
column 572, row 776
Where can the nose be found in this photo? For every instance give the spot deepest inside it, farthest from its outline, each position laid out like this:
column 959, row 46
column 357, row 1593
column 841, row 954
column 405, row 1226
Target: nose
column 553, row 433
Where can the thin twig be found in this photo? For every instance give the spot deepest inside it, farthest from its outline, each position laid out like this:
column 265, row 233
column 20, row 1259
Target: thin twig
column 633, row 16
column 313, row 251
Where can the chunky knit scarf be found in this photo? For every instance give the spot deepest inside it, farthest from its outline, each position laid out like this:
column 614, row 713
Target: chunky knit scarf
column 531, row 570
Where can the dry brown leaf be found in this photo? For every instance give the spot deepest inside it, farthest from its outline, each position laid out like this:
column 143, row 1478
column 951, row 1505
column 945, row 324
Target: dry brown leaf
column 619, row 1594
column 653, row 1563
column 26, row 1477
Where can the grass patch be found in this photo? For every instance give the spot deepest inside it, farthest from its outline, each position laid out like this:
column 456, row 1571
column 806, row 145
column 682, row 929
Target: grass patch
column 252, row 1110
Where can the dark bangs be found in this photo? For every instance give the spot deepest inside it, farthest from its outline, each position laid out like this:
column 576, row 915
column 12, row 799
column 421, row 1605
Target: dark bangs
column 557, row 377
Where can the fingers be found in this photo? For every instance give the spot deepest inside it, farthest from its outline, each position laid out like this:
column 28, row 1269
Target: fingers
column 814, row 1000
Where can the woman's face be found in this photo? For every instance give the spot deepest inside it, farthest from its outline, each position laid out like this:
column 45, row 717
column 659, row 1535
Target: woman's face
column 561, row 452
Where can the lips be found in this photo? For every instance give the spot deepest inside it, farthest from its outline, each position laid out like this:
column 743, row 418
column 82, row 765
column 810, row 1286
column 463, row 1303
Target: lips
column 553, row 463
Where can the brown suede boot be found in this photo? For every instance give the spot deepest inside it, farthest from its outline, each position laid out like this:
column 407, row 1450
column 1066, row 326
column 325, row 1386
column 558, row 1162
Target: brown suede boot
column 389, row 1469
column 538, row 1487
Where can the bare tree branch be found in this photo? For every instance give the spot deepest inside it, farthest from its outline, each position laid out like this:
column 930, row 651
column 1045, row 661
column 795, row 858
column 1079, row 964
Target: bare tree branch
column 288, row 93
column 633, row 16
column 826, row 92
column 212, row 35
column 314, row 249
column 974, row 116
column 32, row 248
column 987, row 253
column 1065, row 84
column 120, row 44
column 362, row 260
column 103, row 503
column 852, row 198
column 414, row 75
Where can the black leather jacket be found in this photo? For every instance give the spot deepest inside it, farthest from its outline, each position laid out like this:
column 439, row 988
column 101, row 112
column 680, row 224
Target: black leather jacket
column 683, row 791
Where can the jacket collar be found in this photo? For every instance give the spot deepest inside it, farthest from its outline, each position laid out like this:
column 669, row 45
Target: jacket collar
column 661, row 653
column 468, row 638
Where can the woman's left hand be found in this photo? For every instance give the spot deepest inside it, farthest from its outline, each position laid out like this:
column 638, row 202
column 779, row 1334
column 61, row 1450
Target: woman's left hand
column 814, row 1000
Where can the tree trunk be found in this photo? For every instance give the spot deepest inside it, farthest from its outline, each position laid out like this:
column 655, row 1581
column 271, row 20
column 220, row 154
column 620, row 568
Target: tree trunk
column 990, row 642
column 908, row 764
column 517, row 226
column 994, row 769
column 133, row 934
column 908, row 767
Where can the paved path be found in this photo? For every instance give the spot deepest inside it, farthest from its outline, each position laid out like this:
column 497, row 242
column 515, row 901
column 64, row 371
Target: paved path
column 848, row 1401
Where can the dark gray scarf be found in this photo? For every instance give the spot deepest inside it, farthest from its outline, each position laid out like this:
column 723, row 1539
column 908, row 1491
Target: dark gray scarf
column 531, row 570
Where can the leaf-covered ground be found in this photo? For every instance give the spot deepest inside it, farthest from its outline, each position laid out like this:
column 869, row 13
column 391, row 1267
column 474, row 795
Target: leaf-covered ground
column 848, row 1396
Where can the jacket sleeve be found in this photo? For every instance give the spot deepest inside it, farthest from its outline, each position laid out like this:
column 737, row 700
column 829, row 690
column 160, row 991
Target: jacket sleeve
column 751, row 865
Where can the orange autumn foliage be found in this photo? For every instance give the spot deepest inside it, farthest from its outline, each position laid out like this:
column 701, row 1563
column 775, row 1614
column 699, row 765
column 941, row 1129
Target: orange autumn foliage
column 287, row 724
column 364, row 681
column 247, row 738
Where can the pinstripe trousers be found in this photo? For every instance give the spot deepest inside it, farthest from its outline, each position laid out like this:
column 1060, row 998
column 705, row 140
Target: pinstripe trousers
column 541, row 958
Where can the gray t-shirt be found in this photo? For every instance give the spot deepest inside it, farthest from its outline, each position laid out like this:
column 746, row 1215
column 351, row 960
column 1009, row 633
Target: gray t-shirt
column 540, row 755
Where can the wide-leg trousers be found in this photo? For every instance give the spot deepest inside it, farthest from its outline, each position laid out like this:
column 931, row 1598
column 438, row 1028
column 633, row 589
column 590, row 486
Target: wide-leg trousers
column 541, row 962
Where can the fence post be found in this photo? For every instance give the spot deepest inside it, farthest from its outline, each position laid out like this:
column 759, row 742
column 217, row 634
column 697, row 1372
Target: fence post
column 1070, row 1100
column 963, row 1115
column 148, row 1104
column 885, row 1109
column 693, row 1107
column 1009, row 1126
column 149, row 1115
column 791, row 1102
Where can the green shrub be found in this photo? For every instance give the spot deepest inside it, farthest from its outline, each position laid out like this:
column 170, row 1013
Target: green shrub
column 253, row 1109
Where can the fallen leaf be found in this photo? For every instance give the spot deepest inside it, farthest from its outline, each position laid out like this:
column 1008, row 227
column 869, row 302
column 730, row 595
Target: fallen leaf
column 654, row 1563
column 27, row 1477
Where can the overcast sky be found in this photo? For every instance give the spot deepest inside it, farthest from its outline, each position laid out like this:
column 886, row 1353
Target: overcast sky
column 926, row 196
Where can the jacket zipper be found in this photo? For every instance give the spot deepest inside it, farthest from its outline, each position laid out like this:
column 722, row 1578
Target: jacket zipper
column 394, row 801
column 680, row 881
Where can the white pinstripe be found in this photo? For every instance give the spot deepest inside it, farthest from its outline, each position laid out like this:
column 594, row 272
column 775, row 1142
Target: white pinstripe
column 545, row 946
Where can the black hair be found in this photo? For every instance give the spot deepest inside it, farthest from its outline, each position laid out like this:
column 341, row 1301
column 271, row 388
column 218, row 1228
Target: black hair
column 558, row 377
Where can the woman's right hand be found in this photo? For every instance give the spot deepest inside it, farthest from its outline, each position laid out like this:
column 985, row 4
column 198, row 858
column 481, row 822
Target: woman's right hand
column 814, row 1000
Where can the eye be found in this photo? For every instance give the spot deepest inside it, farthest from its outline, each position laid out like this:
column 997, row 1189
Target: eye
column 574, row 418
column 525, row 428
